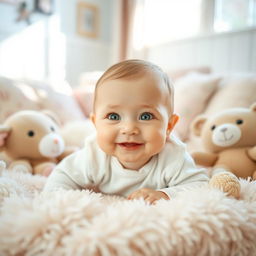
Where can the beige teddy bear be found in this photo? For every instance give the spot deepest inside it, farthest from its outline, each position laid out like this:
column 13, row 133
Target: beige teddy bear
column 229, row 138
column 32, row 140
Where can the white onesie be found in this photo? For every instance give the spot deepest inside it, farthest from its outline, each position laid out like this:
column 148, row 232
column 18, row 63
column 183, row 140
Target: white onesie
column 170, row 171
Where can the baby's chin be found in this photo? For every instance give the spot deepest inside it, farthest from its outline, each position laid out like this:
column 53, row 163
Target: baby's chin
column 132, row 164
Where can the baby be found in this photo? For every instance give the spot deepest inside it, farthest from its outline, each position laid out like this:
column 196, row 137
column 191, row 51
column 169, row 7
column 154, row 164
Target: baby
column 131, row 154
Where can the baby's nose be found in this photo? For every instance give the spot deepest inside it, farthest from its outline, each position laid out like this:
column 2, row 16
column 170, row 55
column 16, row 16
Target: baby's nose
column 129, row 128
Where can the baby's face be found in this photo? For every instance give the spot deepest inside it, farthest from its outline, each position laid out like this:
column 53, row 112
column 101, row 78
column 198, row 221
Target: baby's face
column 132, row 119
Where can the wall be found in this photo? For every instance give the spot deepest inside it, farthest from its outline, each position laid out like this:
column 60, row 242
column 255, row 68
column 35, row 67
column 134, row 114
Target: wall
column 64, row 52
column 53, row 49
column 86, row 54
column 8, row 19
column 22, row 47
column 224, row 53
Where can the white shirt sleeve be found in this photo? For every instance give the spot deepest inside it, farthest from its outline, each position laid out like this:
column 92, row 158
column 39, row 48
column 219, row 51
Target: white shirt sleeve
column 185, row 174
column 79, row 170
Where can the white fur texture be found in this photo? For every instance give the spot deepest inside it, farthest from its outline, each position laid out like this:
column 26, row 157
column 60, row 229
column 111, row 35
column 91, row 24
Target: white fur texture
column 198, row 222
column 20, row 184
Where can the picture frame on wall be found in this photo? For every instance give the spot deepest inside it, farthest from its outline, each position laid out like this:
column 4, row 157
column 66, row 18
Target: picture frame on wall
column 87, row 20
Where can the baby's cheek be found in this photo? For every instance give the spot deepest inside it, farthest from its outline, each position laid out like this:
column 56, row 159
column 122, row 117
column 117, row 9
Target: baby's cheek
column 158, row 140
column 156, row 134
column 105, row 142
column 102, row 139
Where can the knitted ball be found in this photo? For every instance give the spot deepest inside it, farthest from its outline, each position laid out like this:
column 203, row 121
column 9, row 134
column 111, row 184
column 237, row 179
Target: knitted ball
column 226, row 182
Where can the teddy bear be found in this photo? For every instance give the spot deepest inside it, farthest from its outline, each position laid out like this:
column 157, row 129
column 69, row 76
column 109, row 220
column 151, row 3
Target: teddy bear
column 33, row 142
column 229, row 138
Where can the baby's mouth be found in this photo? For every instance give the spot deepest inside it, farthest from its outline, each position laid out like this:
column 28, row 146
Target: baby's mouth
column 130, row 145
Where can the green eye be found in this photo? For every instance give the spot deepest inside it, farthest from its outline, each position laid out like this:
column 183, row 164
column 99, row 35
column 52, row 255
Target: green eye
column 146, row 116
column 113, row 116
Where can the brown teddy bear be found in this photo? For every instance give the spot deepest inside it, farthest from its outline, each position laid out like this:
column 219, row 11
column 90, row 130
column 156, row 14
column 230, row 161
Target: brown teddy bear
column 31, row 139
column 230, row 140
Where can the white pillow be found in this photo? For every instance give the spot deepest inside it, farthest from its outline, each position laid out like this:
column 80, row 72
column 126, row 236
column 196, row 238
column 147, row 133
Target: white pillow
column 236, row 91
column 192, row 93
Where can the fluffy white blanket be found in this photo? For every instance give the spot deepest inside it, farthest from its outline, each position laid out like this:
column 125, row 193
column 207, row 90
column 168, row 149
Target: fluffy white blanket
column 198, row 222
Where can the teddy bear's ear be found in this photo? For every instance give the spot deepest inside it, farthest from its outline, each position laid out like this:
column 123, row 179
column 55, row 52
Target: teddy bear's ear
column 253, row 107
column 52, row 115
column 197, row 125
column 4, row 133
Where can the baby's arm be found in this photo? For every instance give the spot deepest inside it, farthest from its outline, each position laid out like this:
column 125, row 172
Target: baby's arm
column 148, row 194
column 185, row 177
column 73, row 172
column 179, row 177
column 60, row 180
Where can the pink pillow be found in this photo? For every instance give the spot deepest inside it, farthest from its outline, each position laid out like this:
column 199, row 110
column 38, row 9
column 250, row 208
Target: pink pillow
column 192, row 93
column 85, row 91
column 63, row 104
column 13, row 98
column 84, row 97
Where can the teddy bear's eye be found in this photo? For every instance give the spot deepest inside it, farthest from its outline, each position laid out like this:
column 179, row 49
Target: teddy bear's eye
column 52, row 129
column 239, row 121
column 31, row 133
column 213, row 127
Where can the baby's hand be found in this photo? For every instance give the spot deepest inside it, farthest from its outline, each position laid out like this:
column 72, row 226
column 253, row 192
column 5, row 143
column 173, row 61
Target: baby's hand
column 148, row 195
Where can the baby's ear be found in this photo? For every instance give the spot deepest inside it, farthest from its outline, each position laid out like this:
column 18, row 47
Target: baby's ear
column 4, row 133
column 92, row 118
column 172, row 122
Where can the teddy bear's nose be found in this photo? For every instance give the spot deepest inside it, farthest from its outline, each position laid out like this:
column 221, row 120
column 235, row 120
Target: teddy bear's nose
column 55, row 141
column 224, row 129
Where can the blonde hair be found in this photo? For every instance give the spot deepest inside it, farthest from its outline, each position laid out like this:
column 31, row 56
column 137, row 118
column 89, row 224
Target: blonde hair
column 134, row 68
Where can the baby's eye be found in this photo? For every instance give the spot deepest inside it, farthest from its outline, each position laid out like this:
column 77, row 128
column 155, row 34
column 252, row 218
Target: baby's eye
column 146, row 116
column 113, row 116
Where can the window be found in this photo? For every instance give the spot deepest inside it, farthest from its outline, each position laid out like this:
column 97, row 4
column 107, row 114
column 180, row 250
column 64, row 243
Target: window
column 162, row 21
column 36, row 52
column 23, row 54
column 165, row 20
column 234, row 14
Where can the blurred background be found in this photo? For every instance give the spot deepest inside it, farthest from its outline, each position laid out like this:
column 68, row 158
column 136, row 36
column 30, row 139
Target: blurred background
column 52, row 53
column 62, row 39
